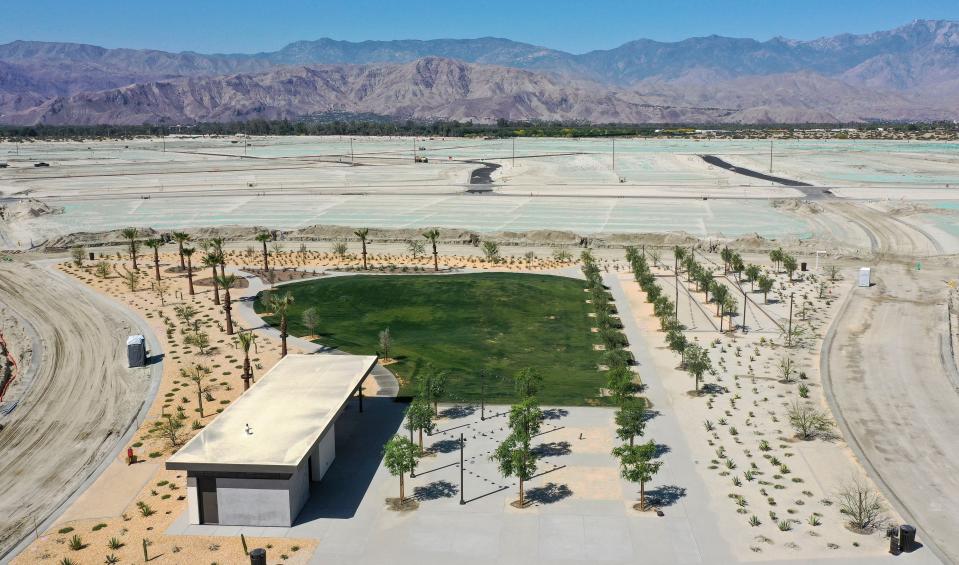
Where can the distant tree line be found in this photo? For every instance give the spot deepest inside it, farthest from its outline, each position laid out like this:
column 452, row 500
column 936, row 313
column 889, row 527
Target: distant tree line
column 374, row 125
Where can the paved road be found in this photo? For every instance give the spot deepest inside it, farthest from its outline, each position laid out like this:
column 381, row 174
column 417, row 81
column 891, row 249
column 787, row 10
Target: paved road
column 81, row 404
column 887, row 369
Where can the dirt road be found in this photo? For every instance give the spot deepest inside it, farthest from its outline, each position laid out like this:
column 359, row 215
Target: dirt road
column 81, row 401
column 887, row 364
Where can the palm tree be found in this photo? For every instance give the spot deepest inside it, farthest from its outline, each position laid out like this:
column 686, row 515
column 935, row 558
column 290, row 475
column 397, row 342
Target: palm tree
column 264, row 237
column 130, row 234
column 433, row 235
column 227, row 281
column 281, row 306
column 188, row 253
column 181, row 238
column 217, row 244
column 246, row 340
column 155, row 245
column 362, row 235
column 211, row 260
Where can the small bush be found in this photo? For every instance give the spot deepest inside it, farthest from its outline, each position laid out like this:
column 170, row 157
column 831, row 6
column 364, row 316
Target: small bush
column 99, row 527
column 66, row 530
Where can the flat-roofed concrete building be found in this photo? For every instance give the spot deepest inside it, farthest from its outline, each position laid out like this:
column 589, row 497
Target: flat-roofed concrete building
column 252, row 466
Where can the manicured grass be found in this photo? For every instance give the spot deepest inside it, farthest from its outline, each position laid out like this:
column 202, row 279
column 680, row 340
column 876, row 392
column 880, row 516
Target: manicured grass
column 463, row 324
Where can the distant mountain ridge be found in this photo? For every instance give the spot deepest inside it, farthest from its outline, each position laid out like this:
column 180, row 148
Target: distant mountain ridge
column 908, row 73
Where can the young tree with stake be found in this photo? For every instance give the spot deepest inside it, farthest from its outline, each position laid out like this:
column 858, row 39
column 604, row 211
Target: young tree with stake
column 399, row 458
column 514, row 456
column 638, row 465
column 631, row 420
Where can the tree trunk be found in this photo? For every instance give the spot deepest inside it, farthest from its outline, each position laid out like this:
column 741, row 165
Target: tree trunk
column 156, row 262
column 402, row 489
column 642, row 495
column 180, row 248
column 216, row 288
column 247, row 373
column 223, row 268
column 364, row 254
column 226, row 309
column 199, row 400
column 436, row 263
column 266, row 262
column 133, row 253
column 421, row 439
column 522, row 494
column 283, row 336
column 631, row 440
column 189, row 275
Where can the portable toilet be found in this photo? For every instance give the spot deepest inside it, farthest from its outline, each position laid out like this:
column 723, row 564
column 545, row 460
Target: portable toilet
column 865, row 275
column 136, row 351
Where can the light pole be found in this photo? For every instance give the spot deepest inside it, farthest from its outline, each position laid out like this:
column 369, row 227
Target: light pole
column 789, row 331
column 352, row 163
column 412, row 446
column 614, row 154
column 676, row 278
column 462, row 443
column 483, row 403
column 513, row 165
column 742, row 286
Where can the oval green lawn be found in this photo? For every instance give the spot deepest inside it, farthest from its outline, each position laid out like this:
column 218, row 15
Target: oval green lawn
column 463, row 324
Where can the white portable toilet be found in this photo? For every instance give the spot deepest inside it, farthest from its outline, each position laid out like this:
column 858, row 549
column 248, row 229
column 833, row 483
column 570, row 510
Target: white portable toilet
column 865, row 276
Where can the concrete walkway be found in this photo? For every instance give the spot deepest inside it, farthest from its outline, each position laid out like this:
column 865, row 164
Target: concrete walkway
column 246, row 316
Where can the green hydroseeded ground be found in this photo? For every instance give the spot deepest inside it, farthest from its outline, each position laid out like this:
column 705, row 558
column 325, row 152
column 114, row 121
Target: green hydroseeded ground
column 462, row 324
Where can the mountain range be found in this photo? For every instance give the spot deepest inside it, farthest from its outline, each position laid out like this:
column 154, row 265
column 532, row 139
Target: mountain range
column 908, row 73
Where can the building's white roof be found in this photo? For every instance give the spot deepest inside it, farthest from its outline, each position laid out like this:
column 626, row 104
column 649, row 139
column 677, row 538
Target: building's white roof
column 288, row 409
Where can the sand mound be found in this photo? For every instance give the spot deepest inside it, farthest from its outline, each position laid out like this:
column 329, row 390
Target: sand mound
column 26, row 209
column 796, row 205
column 905, row 208
column 94, row 239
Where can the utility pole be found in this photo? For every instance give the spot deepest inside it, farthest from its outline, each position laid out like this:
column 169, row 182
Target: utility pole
column 352, row 164
column 462, row 443
column 614, row 154
column 514, row 153
column 789, row 331
column 414, row 149
column 770, row 156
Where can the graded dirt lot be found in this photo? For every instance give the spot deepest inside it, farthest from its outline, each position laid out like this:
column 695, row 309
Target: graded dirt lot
column 892, row 374
column 81, row 400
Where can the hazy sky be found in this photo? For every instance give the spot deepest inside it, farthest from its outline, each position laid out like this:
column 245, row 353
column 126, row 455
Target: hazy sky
column 576, row 26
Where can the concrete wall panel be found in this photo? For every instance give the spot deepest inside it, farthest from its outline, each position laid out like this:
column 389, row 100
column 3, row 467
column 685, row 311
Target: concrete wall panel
column 254, row 502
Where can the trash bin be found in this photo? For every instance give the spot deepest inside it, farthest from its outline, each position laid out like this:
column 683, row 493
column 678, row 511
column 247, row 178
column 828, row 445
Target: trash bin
column 258, row 556
column 907, row 537
column 802, row 266
column 894, row 545
column 136, row 351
